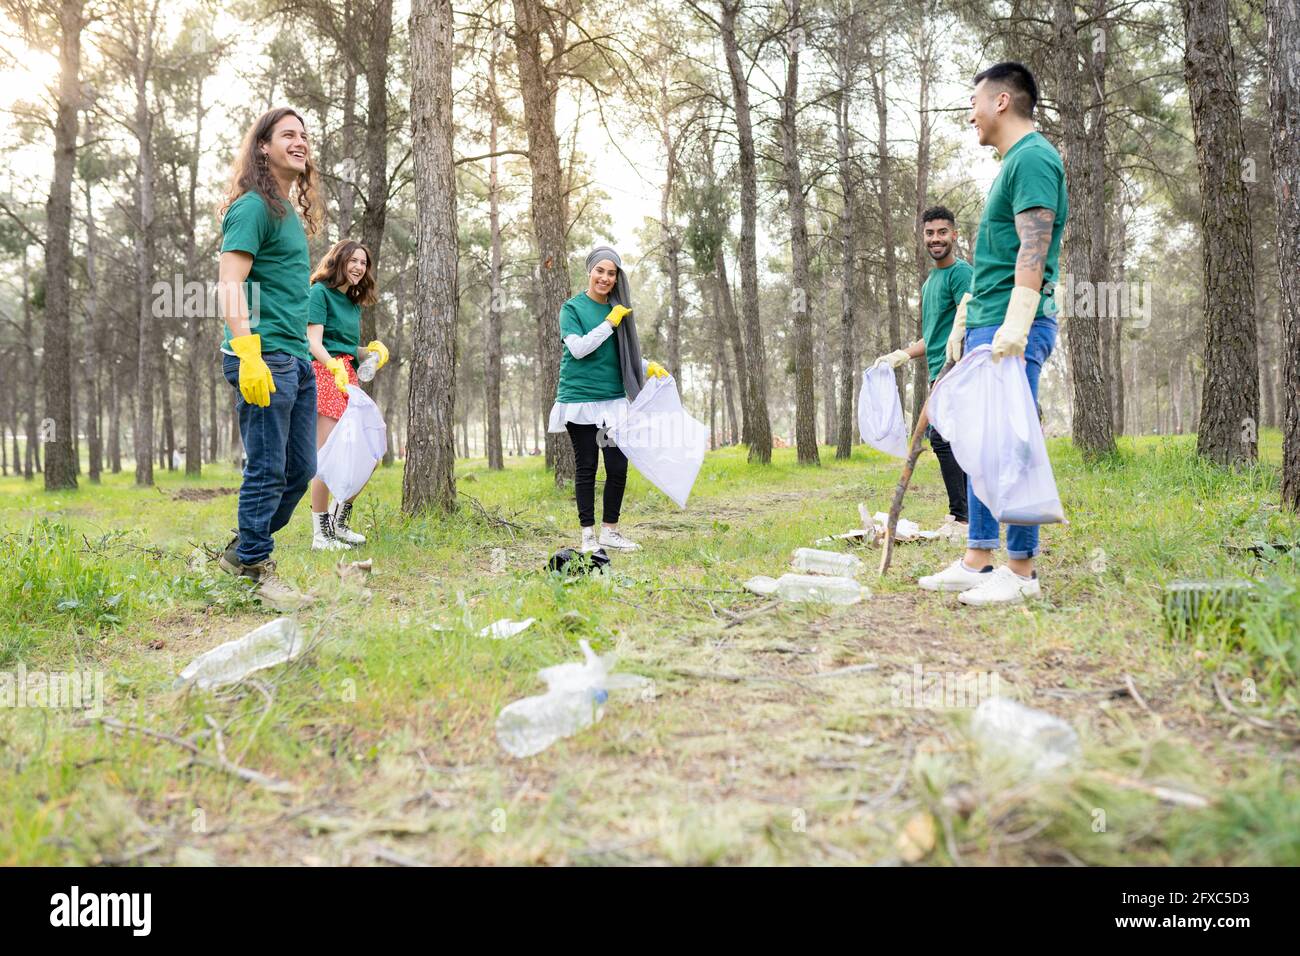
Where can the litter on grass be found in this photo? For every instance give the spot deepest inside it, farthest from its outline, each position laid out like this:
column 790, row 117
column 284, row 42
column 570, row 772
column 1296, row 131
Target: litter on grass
column 276, row 642
column 505, row 628
column 576, row 693
column 1034, row 741
column 819, row 588
column 874, row 528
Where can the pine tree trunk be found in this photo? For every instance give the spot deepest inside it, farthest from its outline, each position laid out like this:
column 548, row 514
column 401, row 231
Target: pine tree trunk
column 94, row 334
column 925, row 47
column 731, row 320
column 375, row 215
column 757, row 422
column 539, row 86
column 1284, row 109
column 146, row 346
column 492, row 348
column 883, row 193
column 1092, row 422
column 848, row 254
column 56, row 366
column 805, row 402
column 1230, row 408
column 428, row 481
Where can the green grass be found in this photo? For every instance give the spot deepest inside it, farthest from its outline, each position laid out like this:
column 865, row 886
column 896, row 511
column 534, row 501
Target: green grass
column 386, row 728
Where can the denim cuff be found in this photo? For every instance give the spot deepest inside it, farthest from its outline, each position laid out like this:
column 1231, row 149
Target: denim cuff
column 1023, row 555
column 984, row 544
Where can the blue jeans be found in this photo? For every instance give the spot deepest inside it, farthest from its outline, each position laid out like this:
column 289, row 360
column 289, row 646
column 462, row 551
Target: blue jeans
column 279, row 451
column 1022, row 540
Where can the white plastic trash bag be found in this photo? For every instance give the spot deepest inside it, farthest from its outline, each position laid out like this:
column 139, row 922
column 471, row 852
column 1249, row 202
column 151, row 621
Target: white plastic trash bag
column 665, row 443
column 354, row 447
column 880, row 413
column 987, row 413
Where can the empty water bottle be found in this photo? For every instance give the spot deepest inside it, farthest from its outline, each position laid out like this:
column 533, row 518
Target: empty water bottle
column 275, row 643
column 574, row 699
column 1031, row 738
column 369, row 365
column 826, row 562
column 825, row 590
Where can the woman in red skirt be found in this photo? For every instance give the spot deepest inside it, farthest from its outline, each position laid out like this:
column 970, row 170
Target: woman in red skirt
column 342, row 283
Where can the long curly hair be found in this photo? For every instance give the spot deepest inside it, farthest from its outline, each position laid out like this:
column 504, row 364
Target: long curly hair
column 333, row 271
column 250, row 172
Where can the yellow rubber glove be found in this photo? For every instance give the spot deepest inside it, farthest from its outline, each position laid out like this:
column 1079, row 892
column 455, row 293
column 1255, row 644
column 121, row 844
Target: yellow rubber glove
column 1013, row 333
column 655, row 370
column 340, row 371
column 255, row 382
column 382, row 349
column 957, row 337
column 616, row 315
column 893, row 359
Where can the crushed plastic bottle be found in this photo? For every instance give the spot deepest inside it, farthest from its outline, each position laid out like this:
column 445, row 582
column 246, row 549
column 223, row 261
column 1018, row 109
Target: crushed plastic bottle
column 813, row 561
column 274, row 643
column 575, row 697
column 369, row 365
column 1037, row 741
column 820, row 588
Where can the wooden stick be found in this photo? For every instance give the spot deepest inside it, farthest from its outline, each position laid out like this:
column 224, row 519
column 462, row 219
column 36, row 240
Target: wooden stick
column 914, row 452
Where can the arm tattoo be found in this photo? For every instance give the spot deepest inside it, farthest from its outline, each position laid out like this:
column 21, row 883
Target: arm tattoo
column 1034, row 227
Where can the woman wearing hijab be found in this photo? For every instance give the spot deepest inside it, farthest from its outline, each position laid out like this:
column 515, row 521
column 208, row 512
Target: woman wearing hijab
column 601, row 372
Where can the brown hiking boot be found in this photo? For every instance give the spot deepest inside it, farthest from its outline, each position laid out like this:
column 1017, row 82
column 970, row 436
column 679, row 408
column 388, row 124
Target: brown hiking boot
column 269, row 588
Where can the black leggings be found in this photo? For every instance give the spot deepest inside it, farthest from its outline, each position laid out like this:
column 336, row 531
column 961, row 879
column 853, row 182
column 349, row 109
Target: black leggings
column 585, row 454
column 954, row 479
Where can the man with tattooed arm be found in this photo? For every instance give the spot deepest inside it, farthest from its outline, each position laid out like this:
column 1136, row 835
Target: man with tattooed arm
column 1011, row 306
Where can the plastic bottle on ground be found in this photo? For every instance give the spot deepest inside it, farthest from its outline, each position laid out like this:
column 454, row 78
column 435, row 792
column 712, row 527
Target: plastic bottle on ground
column 274, row 643
column 575, row 698
column 813, row 561
column 820, row 588
column 1030, row 737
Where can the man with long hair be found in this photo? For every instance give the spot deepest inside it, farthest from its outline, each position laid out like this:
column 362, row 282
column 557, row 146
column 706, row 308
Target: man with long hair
column 263, row 283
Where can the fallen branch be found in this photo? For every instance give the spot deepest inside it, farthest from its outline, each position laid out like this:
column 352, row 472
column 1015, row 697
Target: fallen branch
column 1250, row 718
column 914, row 452
column 741, row 618
column 222, row 764
column 1180, row 798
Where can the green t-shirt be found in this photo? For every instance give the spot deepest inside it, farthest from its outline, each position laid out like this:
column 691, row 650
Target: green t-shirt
column 341, row 317
column 943, row 289
column 1032, row 175
column 277, row 304
column 595, row 377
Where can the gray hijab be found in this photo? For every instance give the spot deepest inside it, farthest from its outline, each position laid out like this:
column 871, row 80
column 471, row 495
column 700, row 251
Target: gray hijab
column 629, row 345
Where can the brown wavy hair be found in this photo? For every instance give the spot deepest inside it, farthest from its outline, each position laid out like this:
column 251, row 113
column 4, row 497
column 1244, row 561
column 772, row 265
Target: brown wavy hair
column 333, row 271
column 250, row 172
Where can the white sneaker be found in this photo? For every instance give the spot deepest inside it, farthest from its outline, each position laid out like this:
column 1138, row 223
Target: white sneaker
column 612, row 539
column 589, row 542
column 1003, row 586
column 322, row 533
column 955, row 577
column 341, row 514
column 958, row 532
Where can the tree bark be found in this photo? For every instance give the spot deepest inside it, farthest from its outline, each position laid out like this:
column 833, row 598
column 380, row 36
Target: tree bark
column 375, row 214
column 1230, row 408
column 538, row 86
column 56, row 367
column 1284, row 109
column 428, row 481
column 805, row 402
column 884, row 170
column 757, row 423
column 848, row 246
column 147, row 358
column 94, row 335
column 492, row 347
column 925, row 60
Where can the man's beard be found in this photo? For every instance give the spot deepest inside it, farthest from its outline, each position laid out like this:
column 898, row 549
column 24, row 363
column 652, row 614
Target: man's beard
column 942, row 255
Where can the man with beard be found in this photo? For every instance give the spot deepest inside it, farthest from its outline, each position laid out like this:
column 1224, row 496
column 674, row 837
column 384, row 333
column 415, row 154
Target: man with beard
column 943, row 299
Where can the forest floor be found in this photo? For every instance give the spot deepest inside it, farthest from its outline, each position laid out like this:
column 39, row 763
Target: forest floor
column 378, row 746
